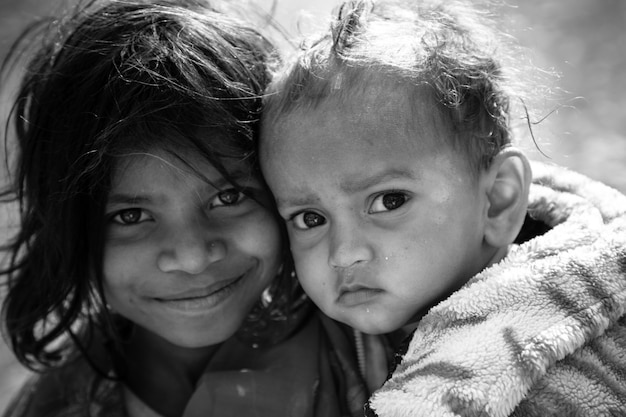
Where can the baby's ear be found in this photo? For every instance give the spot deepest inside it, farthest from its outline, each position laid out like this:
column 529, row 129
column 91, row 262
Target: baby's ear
column 508, row 181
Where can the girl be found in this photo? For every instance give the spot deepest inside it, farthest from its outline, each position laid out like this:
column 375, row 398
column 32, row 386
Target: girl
column 150, row 276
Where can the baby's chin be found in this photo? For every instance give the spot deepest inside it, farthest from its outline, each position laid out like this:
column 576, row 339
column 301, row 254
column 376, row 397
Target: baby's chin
column 369, row 323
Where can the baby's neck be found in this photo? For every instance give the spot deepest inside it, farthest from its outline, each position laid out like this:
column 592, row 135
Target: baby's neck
column 499, row 255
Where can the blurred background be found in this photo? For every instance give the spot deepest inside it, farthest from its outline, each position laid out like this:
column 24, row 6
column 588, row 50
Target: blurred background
column 583, row 41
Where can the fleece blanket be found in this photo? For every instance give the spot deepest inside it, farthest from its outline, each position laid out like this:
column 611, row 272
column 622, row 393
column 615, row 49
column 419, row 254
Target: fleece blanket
column 543, row 332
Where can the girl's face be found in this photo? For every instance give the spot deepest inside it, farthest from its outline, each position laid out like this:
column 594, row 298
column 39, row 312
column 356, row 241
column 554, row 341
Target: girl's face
column 187, row 258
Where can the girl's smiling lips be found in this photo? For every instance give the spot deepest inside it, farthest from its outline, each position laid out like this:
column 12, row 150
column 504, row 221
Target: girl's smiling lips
column 202, row 299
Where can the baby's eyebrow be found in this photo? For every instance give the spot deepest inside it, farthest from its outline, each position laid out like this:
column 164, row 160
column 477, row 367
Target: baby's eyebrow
column 305, row 198
column 360, row 184
column 297, row 200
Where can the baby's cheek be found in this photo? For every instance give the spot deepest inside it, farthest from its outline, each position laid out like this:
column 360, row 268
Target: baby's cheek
column 313, row 276
column 305, row 270
column 411, row 245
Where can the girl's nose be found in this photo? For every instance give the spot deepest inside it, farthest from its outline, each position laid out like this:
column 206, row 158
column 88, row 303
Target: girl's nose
column 348, row 247
column 191, row 250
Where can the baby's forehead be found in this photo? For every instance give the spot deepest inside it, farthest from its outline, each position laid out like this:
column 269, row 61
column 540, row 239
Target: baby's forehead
column 388, row 109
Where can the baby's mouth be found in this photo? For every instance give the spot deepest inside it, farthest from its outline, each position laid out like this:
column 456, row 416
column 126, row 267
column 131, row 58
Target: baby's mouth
column 352, row 295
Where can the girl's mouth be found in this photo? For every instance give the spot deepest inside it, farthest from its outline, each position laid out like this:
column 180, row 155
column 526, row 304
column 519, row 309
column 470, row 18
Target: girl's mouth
column 203, row 299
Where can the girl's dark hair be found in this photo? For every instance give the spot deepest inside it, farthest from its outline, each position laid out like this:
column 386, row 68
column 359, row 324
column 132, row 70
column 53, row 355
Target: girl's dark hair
column 111, row 78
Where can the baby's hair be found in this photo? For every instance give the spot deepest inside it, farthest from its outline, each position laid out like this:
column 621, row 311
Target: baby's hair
column 446, row 49
column 113, row 78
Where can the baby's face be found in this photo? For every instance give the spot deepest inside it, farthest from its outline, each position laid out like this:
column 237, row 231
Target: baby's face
column 384, row 218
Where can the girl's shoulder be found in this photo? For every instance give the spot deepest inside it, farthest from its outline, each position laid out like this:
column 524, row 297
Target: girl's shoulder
column 72, row 389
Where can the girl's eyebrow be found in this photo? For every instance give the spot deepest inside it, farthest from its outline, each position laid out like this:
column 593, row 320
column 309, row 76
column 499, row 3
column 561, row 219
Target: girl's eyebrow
column 138, row 199
column 240, row 174
column 241, row 177
column 128, row 199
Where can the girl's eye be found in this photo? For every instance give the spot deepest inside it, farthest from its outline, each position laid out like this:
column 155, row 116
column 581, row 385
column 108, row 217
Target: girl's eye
column 130, row 216
column 308, row 220
column 228, row 197
column 388, row 202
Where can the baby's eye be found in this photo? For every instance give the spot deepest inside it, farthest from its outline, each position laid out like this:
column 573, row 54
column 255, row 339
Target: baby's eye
column 130, row 216
column 308, row 220
column 388, row 202
column 228, row 197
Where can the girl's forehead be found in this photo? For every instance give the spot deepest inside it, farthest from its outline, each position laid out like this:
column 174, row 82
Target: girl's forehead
column 182, row 164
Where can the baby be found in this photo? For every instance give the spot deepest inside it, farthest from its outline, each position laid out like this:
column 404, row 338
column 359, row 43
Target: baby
column 388, row 146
